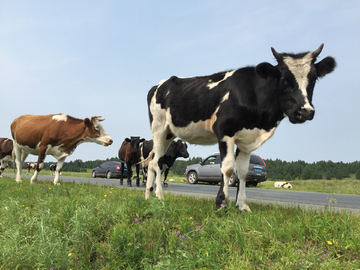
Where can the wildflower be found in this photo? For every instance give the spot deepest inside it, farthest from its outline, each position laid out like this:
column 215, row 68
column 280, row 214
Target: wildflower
column 69, row 254
column 167, row 223
column 207, row 254
column 329, row 242
column 104, row 200
column 91, row 191
column 112, row 188
column 190, row 218
column 178, row 234
column 110, row 191
column 105, row 195
column 182, row 238
column 21, row 222
column 40, row 185
column 44, row 189
column 49, row 187
column 136, row 220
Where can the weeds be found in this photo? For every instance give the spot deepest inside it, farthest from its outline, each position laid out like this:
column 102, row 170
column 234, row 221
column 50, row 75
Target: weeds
column 82, row 226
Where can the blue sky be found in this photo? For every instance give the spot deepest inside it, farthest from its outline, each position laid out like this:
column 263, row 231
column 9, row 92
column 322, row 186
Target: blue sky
column 89, row 58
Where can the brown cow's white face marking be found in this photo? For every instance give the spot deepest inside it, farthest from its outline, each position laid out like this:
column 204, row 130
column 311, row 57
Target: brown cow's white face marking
column 104, row 138
column 60, row 117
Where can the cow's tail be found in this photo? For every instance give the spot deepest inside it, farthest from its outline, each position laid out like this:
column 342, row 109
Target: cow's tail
column 147, row 160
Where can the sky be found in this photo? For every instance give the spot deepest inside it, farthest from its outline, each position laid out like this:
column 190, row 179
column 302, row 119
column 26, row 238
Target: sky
column 87, row 58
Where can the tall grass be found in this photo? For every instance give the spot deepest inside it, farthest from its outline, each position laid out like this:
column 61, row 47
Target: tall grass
column 82, row 226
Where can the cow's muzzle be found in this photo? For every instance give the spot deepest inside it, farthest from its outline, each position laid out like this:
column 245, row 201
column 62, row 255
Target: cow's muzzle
column 303, row 115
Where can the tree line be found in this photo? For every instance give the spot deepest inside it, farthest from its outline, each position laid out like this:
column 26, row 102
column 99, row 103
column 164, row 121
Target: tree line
column 276, row 169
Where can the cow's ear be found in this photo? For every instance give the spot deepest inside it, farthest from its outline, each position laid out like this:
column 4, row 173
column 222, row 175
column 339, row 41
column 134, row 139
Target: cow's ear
column 266, row 70
column 142, row 140
column 87, row 122
column 127, row 139
column 325, row 66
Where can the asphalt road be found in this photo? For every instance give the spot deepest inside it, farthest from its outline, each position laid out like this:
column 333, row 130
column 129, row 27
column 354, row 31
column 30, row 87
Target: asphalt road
column 350, row 203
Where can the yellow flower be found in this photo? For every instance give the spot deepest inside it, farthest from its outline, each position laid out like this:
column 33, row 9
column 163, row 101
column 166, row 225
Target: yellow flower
column 112, row 188
column 69, row 254
column 329, row 242
column 105, row 195
column 49, row 187
column 190, row 218
column 207, row 254
column 104, row 200
column 110, row 191
column 77, row 210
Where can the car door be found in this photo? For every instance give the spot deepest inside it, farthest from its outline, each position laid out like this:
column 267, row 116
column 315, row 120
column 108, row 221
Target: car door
column 207, row 169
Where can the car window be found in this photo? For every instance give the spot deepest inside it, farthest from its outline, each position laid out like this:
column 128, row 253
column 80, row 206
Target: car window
column 209, row 161
column 256, row 160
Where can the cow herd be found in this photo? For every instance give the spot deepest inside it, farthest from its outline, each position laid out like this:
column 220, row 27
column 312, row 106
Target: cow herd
column 237, row 108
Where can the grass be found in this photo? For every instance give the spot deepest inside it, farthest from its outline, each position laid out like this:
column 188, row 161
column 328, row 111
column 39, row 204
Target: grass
column 83, row 226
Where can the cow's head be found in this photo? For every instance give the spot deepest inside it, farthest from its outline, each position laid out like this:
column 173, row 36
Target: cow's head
column 96, row 131
column 134, row 142
column 181, row 149
column 295, row 77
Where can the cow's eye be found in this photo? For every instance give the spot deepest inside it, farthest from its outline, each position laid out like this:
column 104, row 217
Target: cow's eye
column 283, row 81
column 97, row 127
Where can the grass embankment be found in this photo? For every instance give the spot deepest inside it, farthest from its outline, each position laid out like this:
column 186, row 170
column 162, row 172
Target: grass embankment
column 82, row 226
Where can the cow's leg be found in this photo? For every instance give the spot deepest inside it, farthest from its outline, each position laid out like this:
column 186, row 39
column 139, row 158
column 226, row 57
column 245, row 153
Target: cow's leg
column 144, row 170
column 242, row 167
column 122, row 173
column 226, row 148
column 2, row 168
column 137, row 173
column 20, row 157
column 166, row 174
column 57, row 172
column 128, row 164
column 39, row 164
column 159, row 149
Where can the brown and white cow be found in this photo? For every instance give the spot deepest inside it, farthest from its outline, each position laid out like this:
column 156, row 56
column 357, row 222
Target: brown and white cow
column 55, row 134
column 129, row 153
column 6, row 153
column 30, row 166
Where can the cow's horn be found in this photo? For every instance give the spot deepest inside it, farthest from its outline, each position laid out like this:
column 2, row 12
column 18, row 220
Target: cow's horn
column 318, row 51
column 276, row 54
column 97, row 117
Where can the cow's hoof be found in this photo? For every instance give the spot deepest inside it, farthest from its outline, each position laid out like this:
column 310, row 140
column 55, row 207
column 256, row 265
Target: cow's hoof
column 129, row 184
column 121, row 182
column 137, row 184
column 166, row 184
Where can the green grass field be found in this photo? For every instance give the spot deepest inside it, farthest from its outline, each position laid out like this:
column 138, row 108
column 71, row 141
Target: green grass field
column 83, row 226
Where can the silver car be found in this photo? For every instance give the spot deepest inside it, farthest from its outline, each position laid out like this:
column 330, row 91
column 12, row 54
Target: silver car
column 208, row 170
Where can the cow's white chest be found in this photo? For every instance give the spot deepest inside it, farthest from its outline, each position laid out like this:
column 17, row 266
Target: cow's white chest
column 248, row 140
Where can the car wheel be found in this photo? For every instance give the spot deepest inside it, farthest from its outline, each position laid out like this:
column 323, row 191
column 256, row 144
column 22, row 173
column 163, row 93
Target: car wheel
column 93, row 174
column 192, row 177
column 108, row 175
column 232, row 180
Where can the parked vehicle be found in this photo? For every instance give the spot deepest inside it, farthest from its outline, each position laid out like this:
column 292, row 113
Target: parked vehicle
column 208, row 170
column 109, row 169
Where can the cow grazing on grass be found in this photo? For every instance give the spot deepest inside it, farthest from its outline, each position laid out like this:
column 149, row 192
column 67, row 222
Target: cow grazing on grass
column 55, row 134
column 30, row 166
column 6, row 153
column 282, row 185
column 239, row 108
column 129, row 153
column 176, row 149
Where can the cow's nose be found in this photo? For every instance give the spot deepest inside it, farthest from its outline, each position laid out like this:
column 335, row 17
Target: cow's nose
column 305, row 114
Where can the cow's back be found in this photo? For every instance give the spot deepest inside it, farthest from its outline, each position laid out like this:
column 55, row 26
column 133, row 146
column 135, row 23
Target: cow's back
column 124, row 151
column 29, row 129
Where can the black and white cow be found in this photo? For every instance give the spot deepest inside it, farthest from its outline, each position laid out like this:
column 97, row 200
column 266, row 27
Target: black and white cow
column 241, row 108
column 176, row 149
